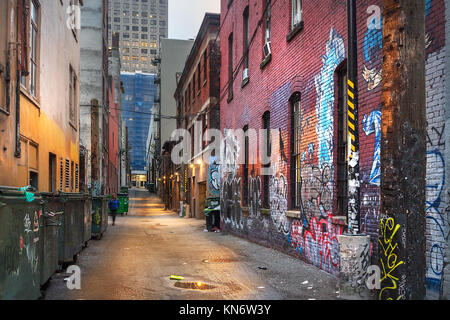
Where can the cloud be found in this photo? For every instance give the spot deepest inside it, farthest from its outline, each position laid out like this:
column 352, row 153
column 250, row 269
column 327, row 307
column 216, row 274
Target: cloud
column 186, row 16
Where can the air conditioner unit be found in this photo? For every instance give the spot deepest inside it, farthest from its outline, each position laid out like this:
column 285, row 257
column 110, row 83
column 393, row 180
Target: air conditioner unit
column 245, row 74
column 267, row 49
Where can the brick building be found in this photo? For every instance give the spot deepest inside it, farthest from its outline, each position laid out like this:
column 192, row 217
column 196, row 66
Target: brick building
column 197, row 97
column 294, row 81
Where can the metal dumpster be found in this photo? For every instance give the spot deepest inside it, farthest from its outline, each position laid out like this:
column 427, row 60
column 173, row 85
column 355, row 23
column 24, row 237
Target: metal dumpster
column 99, row 216
column 20, row 244
column 87, row 225
column 71, row 232
column 52, row 211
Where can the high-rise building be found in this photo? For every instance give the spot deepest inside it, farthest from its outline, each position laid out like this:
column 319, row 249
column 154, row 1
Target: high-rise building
column 140, row 24
column 138, row 111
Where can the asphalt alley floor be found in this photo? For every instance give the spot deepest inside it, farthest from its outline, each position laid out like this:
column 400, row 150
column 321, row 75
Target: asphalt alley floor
column 135, row 259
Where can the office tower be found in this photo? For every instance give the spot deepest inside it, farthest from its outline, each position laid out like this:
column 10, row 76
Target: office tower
column 140, row 24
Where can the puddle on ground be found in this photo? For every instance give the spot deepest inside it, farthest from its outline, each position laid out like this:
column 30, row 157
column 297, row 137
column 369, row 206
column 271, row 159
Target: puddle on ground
column 193, row 285
column 220, row 260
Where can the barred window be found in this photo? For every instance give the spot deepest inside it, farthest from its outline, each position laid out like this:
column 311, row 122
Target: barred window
column 296, row 153
column 67, row 174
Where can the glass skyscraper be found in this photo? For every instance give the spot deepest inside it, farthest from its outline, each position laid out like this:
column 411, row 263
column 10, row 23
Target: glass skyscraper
column 137, row 112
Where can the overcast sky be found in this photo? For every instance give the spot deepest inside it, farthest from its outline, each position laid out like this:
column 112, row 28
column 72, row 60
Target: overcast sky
column 186, row 16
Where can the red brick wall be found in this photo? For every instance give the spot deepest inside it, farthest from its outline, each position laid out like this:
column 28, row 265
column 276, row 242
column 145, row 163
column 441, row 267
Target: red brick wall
column 307, row 64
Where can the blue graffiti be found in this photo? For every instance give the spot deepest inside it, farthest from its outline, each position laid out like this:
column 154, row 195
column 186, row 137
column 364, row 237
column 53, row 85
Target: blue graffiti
column 372, row 124
column 324, row 83
column 373, row 41
column 436, row 217
column 214, row 177
column 427, row 7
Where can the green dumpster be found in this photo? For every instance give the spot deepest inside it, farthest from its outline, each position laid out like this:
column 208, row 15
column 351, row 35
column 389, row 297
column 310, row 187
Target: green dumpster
column 53, row 209
column 71, row 232
column 20, row 244
column 124, row 200
column 99, row 216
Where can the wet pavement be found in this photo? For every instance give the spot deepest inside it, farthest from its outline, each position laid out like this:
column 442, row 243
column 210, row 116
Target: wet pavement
column 135, row 259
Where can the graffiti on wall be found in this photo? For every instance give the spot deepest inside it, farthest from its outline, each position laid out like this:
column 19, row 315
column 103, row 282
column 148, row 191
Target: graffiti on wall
column 214, row 178
column 321, row 243
column 436, row 217
column 436, row 197
column 390, row 260
column 372, row 124
column 254, row 195
column 231, row 184
column 317, row 191
column 324, row 84
column 372, row 47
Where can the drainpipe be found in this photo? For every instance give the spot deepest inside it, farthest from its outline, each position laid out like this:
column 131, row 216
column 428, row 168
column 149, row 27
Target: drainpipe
column 353, row 123
column 354, row 247
column 17, row 152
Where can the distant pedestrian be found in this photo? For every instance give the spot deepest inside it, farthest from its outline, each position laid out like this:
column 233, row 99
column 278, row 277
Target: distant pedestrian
column 113, row 205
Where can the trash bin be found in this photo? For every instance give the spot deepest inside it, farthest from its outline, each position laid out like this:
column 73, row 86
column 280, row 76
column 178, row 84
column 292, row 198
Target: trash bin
column 99, row 216
column 71, row 233
column 53, row 209
column 124, row 189
column 21, row 223
column 212, row 213
column 124, row 200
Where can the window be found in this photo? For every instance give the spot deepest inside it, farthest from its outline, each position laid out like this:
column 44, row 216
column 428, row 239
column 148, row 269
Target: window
column 268, row 150
column 246, row 38
column 72, row 97
column 77, row 177
column 296, row 13
column 205, row 64
column 72, row 176
column 193, row 88
column 296, row 156
column 246, row 166
column 342, row 150
column 199, row 73
column 52, row 172
column 61, row 174
column 67, row 174
column 230, row 67
column 267, row 21
column 30, row 81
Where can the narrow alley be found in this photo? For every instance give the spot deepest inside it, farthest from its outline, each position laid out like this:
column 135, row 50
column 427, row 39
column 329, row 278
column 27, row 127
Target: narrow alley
column 136, row 257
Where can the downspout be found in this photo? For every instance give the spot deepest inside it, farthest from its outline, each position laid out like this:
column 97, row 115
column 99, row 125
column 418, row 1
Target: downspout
column 17, row 152
column 353, row 123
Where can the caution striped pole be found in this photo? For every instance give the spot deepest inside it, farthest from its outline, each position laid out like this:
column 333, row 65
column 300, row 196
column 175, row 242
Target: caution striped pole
column 353, row 123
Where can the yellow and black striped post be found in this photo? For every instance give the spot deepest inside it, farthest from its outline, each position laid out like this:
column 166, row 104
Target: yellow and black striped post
column 353, row 127
column 352, row 123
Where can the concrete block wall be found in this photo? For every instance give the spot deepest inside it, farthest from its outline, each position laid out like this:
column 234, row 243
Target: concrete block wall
column 436, row 194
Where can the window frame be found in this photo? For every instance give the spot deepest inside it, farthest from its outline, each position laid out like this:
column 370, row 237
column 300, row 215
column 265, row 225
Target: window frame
column 296, row 130
column 33, row 52
column 230, row 67
column 268, row 144
column 73, row 97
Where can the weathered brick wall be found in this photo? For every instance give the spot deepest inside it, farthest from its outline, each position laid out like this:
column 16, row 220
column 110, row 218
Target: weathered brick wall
column 307, row 65
column 436, row 195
